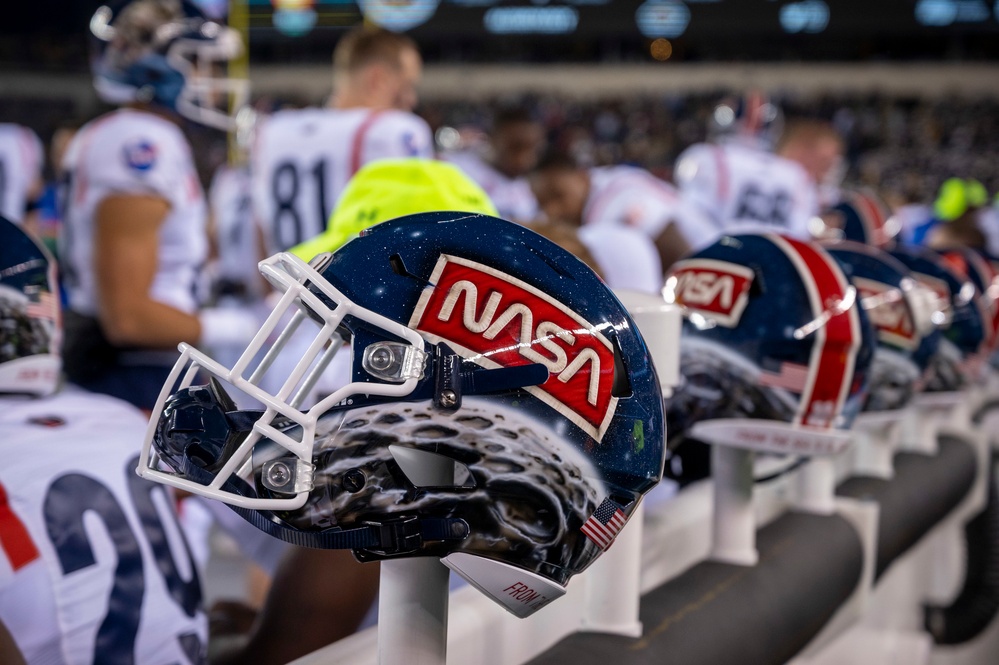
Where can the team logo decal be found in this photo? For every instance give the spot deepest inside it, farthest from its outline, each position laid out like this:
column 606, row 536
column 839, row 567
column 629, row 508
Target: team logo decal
column 941, row 291
column 140, row 155
column 47, row 421
column 496, row 320
column 888, row 311
column 716, row 289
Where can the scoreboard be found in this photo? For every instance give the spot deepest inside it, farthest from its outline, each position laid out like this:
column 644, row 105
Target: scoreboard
column 767, row 29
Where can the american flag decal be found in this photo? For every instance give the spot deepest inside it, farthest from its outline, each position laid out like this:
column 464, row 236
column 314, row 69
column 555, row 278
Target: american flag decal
column 604, row 524
column 790, row 377
column 43, row 305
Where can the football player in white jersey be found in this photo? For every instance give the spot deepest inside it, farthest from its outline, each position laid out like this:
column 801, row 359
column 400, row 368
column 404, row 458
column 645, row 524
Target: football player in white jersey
column 134, row 229
column 818, row 147
column 22, row 158
column 649, row 217
column 234, row 235
column 514, row 148
column 738, row 182
column 303, row 158
column 93, row 566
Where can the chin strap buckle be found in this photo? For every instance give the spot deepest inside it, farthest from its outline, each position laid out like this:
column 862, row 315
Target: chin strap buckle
column 397, row 536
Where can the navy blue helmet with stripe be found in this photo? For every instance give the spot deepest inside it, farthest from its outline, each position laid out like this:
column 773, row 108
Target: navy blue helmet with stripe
column 773, row 331
column 961, row 316
column 901, row 314
column 30, row 331
column 497, row 407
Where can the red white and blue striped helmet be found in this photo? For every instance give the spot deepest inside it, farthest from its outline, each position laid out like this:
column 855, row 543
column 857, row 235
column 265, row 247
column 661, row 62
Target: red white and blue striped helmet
column 773, row 331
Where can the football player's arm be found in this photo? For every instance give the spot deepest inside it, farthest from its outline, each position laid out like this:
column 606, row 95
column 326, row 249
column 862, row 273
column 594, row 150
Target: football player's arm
column 696, row 176
column 9, row 653
column 316, row 598
column 672, row 245
column 126, row 256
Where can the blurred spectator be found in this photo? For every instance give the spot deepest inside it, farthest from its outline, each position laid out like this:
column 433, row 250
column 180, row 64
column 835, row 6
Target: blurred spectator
column 303, row 158
column 515, row 144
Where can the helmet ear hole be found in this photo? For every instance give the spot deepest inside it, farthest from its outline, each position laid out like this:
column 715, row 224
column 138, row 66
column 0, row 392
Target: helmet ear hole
column 427, row 469
column 622, row 385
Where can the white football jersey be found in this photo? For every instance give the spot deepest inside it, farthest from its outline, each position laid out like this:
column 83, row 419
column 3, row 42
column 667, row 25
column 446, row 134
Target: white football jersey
column 93, row 566
column 231, row 206
column 627, row 258
column 21, row 160
column 747, row 190
column 633, row 197
column 133, row 152
column 303, row 158
column 512, row 197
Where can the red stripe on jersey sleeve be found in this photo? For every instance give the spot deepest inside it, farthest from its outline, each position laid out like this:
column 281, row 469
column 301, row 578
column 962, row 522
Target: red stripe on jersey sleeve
column 358, row 144
column 14, row 537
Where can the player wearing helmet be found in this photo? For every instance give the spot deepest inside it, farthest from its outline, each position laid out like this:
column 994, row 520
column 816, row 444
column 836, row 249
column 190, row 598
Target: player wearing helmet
column 738, row 182
column 134, row 234
column 93, row 566
column 303, row 158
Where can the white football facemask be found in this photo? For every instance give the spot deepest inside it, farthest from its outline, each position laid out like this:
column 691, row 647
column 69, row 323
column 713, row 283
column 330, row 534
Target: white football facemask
column 208, row 99
column 395, row 367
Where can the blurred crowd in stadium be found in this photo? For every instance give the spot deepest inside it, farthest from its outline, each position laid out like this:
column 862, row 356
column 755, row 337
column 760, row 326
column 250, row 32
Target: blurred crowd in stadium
column 904, row 148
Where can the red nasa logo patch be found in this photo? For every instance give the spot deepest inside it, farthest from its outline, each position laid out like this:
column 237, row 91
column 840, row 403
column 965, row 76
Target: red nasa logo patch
column 717, row 289
column 496, row 320
column 888, row 311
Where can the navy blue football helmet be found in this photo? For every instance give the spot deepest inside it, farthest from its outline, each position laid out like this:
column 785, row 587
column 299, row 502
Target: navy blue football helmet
column 30, row 331
column 961, row 316
column 861, row 217
column 166, row 53
column 500, row 409
column 901, row 315
column 752, row 118
column 773, row 331
column 983, row 271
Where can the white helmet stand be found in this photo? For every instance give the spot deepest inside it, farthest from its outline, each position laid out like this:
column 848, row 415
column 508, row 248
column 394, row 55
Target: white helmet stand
column 413, row 595
column 876, row 439
column 930, row 413
column 734, row 444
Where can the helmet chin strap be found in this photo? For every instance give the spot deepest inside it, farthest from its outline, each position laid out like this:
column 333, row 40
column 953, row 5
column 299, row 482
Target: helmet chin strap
column 197, row 419
column 201, row 427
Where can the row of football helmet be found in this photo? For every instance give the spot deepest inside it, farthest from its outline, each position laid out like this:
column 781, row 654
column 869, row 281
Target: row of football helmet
column 492, row 402
column 498, row 407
